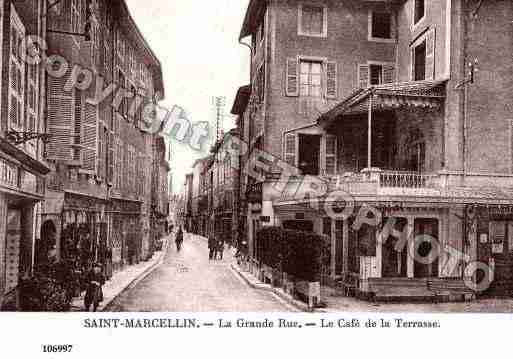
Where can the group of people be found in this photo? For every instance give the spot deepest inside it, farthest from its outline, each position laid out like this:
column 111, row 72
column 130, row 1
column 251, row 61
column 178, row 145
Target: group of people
column 215, row 249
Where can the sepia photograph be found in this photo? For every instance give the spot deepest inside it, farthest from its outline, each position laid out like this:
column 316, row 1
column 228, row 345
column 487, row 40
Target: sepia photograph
column 256, row 156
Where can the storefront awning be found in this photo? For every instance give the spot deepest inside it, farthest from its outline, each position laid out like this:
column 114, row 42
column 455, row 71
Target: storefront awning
column 420, row 94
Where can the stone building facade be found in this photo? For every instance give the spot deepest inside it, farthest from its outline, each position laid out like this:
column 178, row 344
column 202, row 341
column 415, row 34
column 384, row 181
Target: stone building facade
column 101, row 153
column 391, row 103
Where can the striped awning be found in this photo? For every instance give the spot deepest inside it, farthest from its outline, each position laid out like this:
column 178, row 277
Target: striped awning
column 419, row 94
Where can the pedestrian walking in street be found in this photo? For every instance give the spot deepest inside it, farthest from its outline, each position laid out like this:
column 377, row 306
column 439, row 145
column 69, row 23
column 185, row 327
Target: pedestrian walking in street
column 211, row 247
column 220, row 249
column 179, row 239
column 94, row 292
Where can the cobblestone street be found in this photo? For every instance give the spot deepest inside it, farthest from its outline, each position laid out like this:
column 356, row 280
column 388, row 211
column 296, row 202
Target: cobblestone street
column 188, row 282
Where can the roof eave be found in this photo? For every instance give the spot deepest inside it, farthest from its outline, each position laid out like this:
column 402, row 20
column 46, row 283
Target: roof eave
column 252, row 13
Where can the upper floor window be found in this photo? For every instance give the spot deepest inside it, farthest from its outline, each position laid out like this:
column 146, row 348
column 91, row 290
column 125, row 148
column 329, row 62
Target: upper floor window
column 423, row 57
column 310, row 79
column 419, row 10
column 313, row 20
column 375, row 73
column 381, row 26
column 313, row 154
column 261, row 32
column 16, row 74
column 419, row 62
column 75, row 16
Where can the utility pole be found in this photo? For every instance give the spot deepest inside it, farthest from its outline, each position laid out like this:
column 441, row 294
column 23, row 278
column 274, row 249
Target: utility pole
column 219, row 103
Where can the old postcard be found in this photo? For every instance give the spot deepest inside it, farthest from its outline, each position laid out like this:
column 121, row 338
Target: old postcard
column 255, row 171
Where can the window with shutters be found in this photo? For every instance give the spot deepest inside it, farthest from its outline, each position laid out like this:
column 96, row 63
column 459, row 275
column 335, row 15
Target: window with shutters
column 381, row 26
column 16, row 74
column 330, row 165
column 32, row 98
column 310, row 79
column 312, row 154
column 119, row 164
column 290, row 150
column 313, row 20
column 375, row 73
column 77, row 131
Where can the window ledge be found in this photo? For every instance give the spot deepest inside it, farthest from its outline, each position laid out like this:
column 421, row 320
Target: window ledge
column 321, row 36
column 382, row 40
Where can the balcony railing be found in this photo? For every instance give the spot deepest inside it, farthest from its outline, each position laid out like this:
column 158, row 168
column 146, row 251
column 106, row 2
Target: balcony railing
column 405, row 179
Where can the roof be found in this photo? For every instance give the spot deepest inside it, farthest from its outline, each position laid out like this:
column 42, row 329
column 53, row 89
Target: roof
column 389, row 96
column 132, row 31
column 241, row 100
column 253, row 17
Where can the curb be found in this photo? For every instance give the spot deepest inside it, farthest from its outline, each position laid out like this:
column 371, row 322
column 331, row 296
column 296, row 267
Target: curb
column 255, row 284
column 137, row 279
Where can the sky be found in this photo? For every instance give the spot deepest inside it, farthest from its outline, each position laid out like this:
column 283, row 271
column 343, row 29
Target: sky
column 197, row 44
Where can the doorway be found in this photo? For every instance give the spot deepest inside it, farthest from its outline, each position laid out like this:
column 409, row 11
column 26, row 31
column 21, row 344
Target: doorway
column 309, row 154
column 423, row 266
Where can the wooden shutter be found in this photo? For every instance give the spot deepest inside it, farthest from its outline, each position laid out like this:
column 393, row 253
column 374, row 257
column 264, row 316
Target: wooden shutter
column 90, row 138
column 110, row 175
column 430, row 54
column 331, row 80
column 290, row 149
column 292, row 86
column 388, row 74
column 363, row 76
column 331, row 155
column 60, row 119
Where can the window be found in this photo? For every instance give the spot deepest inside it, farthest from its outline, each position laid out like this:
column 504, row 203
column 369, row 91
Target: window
column 313, row 154
column 312, row 20
column 260, row 84
column 376, row 74
column 419, row 62
column 310, row 79
column 261, row 32
column 75, row 16
column 381, row 25
column 423, row 57
column 16, row 74
column 418, row 11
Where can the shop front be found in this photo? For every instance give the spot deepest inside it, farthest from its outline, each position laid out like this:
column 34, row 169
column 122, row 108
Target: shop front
column 21, row 189
column 125, row 232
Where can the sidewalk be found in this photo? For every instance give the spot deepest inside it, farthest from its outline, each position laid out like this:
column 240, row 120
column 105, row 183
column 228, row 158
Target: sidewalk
column 129, row 276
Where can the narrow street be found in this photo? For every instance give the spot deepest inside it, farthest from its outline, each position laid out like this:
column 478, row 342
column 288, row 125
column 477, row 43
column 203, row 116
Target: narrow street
column 189, row 282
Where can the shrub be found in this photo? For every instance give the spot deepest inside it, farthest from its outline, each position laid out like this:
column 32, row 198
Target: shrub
column 300, row 254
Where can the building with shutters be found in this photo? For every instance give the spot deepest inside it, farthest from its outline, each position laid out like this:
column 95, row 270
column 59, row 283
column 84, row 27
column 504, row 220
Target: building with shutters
column 386, row 105
column 99, row 195
column 22, row 166
column 160, row 193
column 200, row 196
column 222, row 175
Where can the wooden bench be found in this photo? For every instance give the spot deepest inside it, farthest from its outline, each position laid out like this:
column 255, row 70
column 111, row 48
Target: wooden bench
column 450, row 287
column 398, row 288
